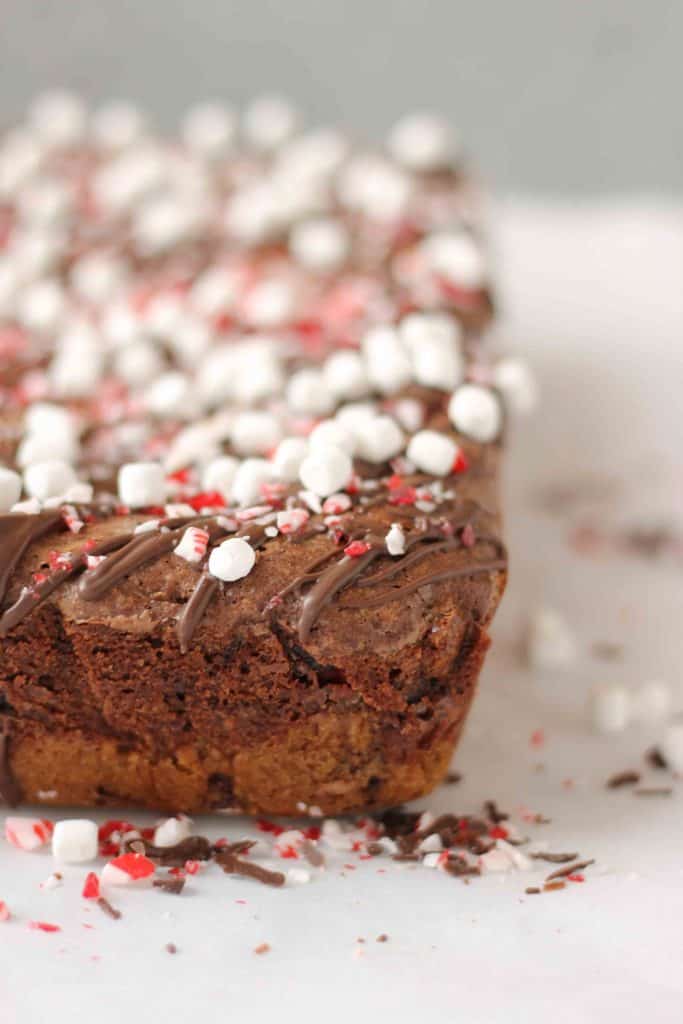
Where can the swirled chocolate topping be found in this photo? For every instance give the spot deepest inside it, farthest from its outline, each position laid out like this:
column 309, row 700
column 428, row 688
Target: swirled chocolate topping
column 17, row 533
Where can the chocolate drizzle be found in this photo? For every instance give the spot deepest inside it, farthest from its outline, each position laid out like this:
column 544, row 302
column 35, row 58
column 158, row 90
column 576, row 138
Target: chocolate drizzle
column 193, row 612
column 17, row 533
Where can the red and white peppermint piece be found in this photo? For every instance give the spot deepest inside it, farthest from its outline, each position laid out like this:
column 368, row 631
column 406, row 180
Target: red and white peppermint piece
column 193, row 544
column 129, row 869
column 28, row 833
column 5, row 914
column 357, row 548
column 91, row 887
column 336, row 504
column 291, row 520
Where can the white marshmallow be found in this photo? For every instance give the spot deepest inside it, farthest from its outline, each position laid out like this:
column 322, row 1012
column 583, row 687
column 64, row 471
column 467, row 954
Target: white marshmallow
column 551, row 643
column 35, row 253
column 651, row 701
column 269, row 122
column 97, row 277
column 289, row 455
column 172, row 395
column 380, row 439
column 192, row 545
column 246, row 486
column 45, row 203
column 141, row 484
column 410, row 414
column 475, row 411
column 232, row 560
column 325, row 471
column 10, row 488
column 209, row 130
column 252, row 214
column 375, row 187
column 41, row 306
column 166, row 221
column 609, row 707
column 321, row 244
column 215, row 291
column 671, row 745
column 172, row 831
column 395, row 540
column 344, row 375
column 387, row 362
column 138, row 363
column 269, row 304
column 116, row 125
column 75, row 841
column 21, row 154
column 313, row 157
column 308, row 394
column 422, row 142
column 48, row 418
column 44, row 447
column 457, row 257
column 60, row 119
column 433, row 452
column 433, row 340
column 219, row 475
column 331, row 432
column 78, row 362
column 123, row 182
column 49, row 479
column 9, row 287
column 255, row 433
column 355, row 416
column 515, row 381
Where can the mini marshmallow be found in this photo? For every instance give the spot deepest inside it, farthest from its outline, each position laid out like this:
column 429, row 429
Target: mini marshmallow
column 269, row 122
column 192, row 545
column 172, row 831
column 219, row 475
column 246, row 486
column 48, row 479
column 255, row 433
column 252, row 215
column 380, row 439
column 298, row 876
column 433, row 452
column 27, row 833
column 320, row 244
column 410, row 414
column 215, row 291
column 344, row 375
column 517, row 384
column 41, row 306
column 387, row 362
column 209, row 130
column 332, row 432
column 60, row 118
column 116, row 125
column 10, row 488
column 78, row 362
column 456, row 257
column 651, row 701
column 46, row 447
column 190, row 340
column 289, row 455
column 326, row 470
column 475, row 411
column 269, row 304
column 550, row 643
column 609, row 707
column 21, row 155
column 97, row 277
column 671, row 745
column 75, row 841
column 141, row 484
column 165, row 221
column 307, row 393
column 355, row 416
column 120, row 184
column 232, row 560
column 375, row 187
column 422, row 142
column 433, row 340
column 48, row 418
column 45, row 203
column 139, row 363
column 395, row 540
column 172, row 395
column 313, row 157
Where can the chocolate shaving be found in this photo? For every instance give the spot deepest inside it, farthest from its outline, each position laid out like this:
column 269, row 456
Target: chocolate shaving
column 240, row 846
column 625, row 778
column 233, row 865
column 570, row 869
column 554, row 858
column 655, row 758
column 192, row 848
column 172, row 885
column 106, row 906
column 493, row 813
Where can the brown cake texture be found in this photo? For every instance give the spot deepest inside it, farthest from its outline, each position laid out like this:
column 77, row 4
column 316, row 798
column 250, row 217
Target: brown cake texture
column 250, row 444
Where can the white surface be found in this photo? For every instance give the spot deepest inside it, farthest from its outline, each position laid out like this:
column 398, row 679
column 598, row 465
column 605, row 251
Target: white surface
column 593, row 297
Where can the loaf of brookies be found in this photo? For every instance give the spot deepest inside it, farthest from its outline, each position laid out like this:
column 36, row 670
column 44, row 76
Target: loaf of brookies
column 250, row 443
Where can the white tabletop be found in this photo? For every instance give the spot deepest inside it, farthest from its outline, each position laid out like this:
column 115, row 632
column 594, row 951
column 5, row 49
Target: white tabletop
column 593, row 297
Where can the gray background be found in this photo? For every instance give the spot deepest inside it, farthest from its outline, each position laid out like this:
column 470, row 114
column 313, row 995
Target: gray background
column 576, row 96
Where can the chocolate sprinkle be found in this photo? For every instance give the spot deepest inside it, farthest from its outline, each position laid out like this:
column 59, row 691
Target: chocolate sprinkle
column 532, row 890
column 626, row 778
column 570, row 869
column 106, row 906
column 233, row 865
column 554, row 858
